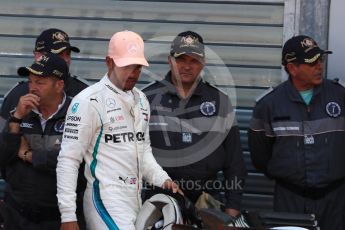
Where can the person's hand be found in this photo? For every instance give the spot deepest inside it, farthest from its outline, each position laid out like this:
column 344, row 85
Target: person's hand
column 24, row 151
column 69, row 226
column 26, row 104
column 238, row 219
column 232, row 212
column 170, row 185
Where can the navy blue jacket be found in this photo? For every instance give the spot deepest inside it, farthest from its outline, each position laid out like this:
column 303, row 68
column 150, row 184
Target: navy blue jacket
column 298, row 143
column 34, row 185
column 195, row 138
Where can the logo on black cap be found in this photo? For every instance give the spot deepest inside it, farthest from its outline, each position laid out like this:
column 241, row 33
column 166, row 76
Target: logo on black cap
column 187, row 42
column 301, row 49
column 60, row 37
column 54, row 41
column 45, row 66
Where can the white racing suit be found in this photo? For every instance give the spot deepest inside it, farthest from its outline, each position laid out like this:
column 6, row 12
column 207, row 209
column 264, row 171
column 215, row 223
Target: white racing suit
column 107, row 128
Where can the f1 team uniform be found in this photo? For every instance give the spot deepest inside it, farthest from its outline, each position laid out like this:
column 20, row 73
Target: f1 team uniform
column 302, row 147
column 108, row 128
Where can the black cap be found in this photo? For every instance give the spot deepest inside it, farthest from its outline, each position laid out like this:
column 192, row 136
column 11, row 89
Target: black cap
column 187, row 42
column 47, row 65
column 301, row 49
column 54, row 41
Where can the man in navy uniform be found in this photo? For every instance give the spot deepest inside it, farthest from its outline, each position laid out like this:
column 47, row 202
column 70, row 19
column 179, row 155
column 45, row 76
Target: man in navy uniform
column 193, row 130
column 30, row 144
column 57, row 42
column 297, row 134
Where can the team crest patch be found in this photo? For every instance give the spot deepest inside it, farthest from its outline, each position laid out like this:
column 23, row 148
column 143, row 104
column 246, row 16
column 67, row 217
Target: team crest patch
column 207, row 108
column 132, row 48
column 59, row 36
column 333, row 109
column 59, row 126
column 75, row 107
column 110, row 102
column 189, row 41
column 307, row 42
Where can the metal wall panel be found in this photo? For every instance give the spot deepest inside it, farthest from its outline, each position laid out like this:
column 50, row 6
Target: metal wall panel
column 243, row 45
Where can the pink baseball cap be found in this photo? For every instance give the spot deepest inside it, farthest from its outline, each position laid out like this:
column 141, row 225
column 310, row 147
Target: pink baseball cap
column 127, row 48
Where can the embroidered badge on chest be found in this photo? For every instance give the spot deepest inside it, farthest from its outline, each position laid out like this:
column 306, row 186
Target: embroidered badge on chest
column 59, row 126
column 333, row 109
column 110, row 103
column 207, row 108
column 75, row 107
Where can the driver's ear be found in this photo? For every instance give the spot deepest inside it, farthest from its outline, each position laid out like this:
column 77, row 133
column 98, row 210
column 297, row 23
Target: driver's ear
column 109, row 61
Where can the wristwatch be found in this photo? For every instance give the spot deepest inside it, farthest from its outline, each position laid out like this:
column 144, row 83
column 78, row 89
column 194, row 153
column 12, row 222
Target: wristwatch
column 13, row 119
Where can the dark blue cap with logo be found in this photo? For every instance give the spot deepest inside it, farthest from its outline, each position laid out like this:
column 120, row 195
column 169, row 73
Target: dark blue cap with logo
column 301, row 49
column 48, row 65
column 187, row 42
column 54, row 41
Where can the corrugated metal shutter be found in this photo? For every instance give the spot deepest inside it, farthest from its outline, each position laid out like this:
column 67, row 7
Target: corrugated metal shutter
column 243, row 39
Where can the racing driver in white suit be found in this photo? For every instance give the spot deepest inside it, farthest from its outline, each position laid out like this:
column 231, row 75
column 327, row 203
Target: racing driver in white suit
column 107, row 126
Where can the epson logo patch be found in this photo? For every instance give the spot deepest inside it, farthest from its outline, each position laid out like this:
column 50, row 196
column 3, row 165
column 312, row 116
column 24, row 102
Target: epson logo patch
column 73, row 118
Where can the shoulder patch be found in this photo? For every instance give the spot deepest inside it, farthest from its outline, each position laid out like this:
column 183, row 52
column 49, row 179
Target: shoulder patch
column 17, row 84
column 339, row 82
column 213, row 86
column 148, row 85
column 266, row 92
